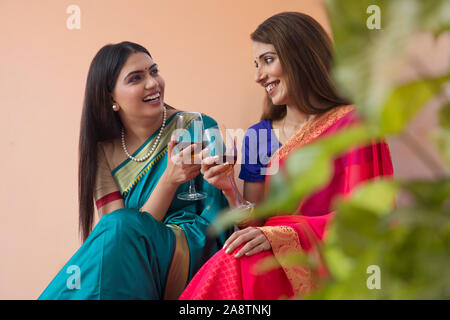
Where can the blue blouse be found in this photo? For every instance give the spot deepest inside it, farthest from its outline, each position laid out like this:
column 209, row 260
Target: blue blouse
column 258, row 146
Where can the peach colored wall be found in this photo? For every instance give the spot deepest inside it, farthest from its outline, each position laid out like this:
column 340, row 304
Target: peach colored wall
column 205, row 56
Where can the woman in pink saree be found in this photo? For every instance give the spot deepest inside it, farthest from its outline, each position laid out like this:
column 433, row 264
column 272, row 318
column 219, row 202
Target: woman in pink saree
column 293, row 56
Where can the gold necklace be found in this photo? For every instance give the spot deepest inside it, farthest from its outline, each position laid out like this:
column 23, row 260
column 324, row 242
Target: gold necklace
column 296, row 129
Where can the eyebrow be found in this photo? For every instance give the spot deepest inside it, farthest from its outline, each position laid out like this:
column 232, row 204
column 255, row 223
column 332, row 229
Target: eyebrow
column 140, row 71
column 262, row 55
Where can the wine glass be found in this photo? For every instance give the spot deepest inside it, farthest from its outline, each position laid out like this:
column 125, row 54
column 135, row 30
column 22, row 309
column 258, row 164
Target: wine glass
column 185, row 138
column 222, row 144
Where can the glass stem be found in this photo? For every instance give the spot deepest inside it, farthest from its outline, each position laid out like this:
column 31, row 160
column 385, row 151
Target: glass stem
column 192, row 187
column 235, row 190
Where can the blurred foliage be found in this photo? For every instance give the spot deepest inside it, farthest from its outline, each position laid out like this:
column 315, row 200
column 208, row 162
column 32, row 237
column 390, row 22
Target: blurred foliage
column 410, row 245
column 441, row 137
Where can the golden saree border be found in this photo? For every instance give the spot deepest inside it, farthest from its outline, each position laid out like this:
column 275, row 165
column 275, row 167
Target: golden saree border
column 313, row 129
column 284, row 241
column 179, row 267
column 131, row 172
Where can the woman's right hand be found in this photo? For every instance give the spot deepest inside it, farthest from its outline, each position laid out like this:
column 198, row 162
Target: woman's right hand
column 179, row 171
column 215, row 173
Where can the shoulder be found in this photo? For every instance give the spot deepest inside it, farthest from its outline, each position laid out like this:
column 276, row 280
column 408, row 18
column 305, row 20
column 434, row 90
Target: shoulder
column 171, row 111
column 257, row 127
column 346, row 115
column 109, row 152
column 265, row 124
column 339, row 118
column 107, row 146
column 208, row 121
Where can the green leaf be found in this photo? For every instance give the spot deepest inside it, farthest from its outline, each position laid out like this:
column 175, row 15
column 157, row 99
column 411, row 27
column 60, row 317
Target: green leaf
column 430, row 193
column 226, row 219
column 360, row 217
column 441, row 139
column 444, row 116
column 356, row 228
column 339, row 264
column 406, row 100
column 435, row 16
column 377, row 196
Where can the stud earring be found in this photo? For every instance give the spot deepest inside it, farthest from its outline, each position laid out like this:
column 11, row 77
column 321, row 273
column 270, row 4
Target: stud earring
column 114, row 107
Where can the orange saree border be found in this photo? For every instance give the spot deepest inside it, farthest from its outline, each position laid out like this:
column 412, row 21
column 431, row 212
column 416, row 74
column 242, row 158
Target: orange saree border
column 313, row 129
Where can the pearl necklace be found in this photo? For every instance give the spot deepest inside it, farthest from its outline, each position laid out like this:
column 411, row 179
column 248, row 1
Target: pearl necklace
column 154, row 144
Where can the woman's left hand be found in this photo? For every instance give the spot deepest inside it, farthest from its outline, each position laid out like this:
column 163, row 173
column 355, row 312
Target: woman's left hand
column 254, row 238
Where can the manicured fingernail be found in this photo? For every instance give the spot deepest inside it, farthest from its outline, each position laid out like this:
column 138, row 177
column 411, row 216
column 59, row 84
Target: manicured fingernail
column 227, row 250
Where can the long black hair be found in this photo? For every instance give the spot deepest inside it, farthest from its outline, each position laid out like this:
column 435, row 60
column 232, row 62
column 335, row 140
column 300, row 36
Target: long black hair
column 98, row 122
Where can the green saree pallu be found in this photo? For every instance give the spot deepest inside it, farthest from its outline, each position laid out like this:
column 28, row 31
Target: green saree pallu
column 129, row 254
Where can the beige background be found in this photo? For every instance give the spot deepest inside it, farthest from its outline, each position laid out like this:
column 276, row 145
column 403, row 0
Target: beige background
column 204, row 53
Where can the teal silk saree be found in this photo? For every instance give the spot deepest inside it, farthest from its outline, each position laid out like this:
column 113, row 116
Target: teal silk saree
column 129, row 254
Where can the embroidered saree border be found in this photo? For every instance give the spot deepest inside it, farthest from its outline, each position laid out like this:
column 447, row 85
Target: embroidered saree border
column 284, row 241
column 313, row 130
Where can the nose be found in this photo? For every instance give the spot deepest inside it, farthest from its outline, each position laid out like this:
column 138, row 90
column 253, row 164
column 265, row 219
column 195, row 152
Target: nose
column 259, row 75
column 151, row 83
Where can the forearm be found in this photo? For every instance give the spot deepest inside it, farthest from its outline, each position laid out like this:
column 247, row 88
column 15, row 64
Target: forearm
column 159, row 201
column 254, row 191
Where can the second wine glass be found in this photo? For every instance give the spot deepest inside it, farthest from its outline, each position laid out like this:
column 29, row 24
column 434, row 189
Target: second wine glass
column 223, row 144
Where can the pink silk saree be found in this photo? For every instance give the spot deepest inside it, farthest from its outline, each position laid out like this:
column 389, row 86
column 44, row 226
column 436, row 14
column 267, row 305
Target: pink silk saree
column 224, row 277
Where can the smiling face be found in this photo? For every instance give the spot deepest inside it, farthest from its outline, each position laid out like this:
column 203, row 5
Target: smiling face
column 139, row 90
column 269, row 73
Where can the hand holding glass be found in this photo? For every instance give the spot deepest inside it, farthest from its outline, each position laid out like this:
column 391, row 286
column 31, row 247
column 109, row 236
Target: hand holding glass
column 194, row 136
column 223, row 145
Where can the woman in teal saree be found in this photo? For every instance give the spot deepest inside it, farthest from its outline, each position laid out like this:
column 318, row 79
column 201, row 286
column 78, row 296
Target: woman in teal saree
column 147, row 244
